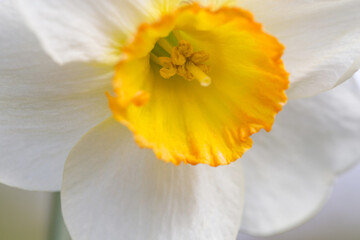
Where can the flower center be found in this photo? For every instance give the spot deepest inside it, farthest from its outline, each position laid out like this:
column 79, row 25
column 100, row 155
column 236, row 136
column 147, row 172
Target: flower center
column 182, row 60
column 157, row 94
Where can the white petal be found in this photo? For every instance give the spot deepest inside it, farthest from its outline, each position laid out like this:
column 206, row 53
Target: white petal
column 338, row 220
column 85, row 30
column 289, row 172
column 112, row 189
column 44, row 108
column 321, row 39
column 341, row 108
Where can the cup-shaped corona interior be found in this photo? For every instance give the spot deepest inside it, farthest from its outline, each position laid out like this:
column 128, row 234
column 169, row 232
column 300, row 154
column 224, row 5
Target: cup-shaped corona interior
column 196, row 84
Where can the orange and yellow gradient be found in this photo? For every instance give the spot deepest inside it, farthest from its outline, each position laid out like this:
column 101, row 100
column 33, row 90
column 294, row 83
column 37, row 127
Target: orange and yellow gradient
column 196, row 84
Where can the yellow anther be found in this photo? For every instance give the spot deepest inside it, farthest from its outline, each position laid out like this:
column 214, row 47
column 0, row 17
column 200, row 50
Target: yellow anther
column 184, row 72
column 167, row 72
column 184, row 62
column 177, row 57
column 185, row 48
column 199, row 57
column 168, row 69
column 165, row 62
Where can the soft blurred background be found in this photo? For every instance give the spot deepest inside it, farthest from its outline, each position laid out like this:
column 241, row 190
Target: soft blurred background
column 23, row 214
column 26, row 215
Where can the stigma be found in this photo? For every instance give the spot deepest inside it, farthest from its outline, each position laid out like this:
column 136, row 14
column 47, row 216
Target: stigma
column 182, row 60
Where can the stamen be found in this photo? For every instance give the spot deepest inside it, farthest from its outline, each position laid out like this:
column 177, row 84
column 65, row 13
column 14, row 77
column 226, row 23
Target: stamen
column 184, row 72
column 183, row 61
column 165, row 45
column 177, row 57
column 168, row 69
column 185, row 48
column 199, row 75
column 199, row 57
column 177, row 35
column 155, row 59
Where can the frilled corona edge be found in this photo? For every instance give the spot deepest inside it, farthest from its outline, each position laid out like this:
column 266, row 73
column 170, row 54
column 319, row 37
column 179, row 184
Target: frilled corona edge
column 182, row 120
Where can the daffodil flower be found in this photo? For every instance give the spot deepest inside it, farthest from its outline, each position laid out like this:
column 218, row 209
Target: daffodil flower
column 191, row 82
